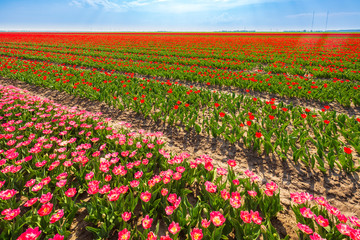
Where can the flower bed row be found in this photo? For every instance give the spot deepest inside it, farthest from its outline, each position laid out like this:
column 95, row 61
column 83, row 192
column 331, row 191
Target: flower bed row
column 324, row 55
column 343, row 91
column 321, row 220
column 289, row 132
column 57, row 160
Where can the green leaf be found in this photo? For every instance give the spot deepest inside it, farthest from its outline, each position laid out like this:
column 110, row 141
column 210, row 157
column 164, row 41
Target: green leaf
column 197, row 128
column 268, row 147
column 216, row 235
column 93, row 230
column 185, row 192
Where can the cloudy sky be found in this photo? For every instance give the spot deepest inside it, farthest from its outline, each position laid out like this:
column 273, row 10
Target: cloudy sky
column 178, row 15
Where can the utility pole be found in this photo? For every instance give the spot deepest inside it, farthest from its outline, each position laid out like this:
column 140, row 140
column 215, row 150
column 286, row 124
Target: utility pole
column 312, row 23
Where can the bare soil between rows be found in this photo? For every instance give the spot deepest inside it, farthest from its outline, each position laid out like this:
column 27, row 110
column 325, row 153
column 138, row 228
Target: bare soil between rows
column 340, row 189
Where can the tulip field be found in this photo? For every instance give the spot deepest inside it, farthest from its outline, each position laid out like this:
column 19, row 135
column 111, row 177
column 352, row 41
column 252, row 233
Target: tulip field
column 58, row 163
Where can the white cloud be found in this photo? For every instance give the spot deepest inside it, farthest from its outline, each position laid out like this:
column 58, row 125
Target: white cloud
column 344, row 14
column 224, row 18
column 175, row 6
column 106, row 4
column 179, row 6
column 322, row 14
column 300, row 15
column 75, row 3
column 137, row 3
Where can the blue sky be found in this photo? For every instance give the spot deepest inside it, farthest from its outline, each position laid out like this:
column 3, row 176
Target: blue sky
column 176, row 15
